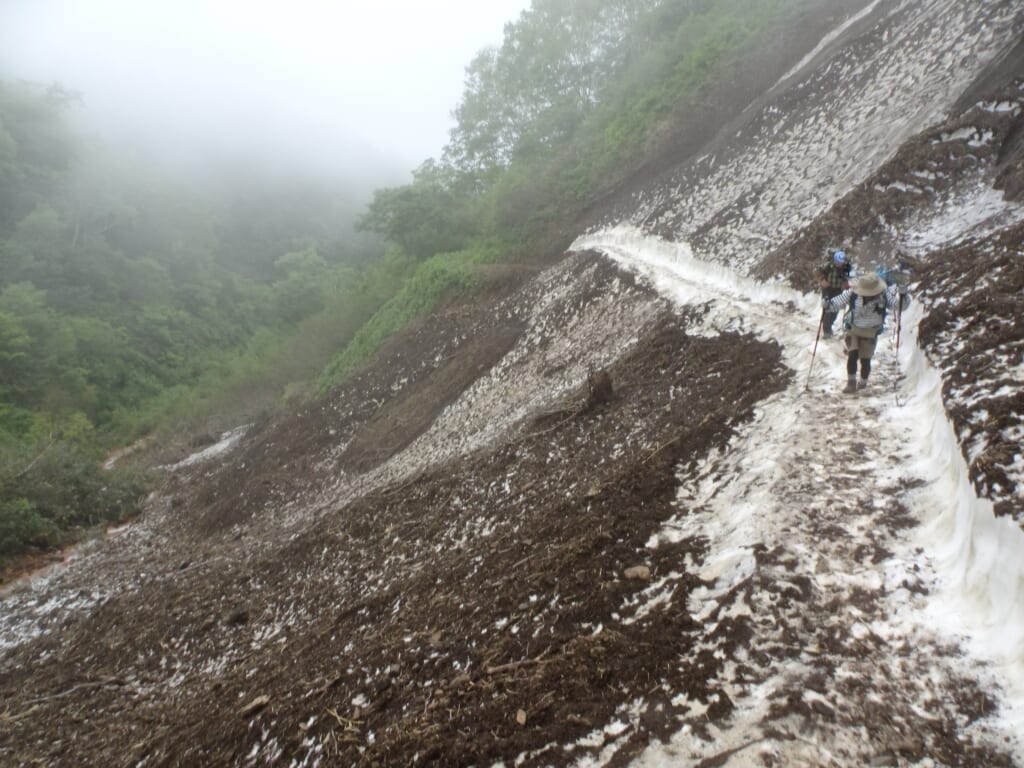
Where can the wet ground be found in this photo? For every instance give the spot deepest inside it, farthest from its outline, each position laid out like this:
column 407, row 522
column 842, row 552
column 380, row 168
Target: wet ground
column 579, row 522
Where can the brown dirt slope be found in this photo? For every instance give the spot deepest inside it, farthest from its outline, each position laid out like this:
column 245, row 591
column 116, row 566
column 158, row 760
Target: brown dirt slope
column 461, row 618
column 486, row 607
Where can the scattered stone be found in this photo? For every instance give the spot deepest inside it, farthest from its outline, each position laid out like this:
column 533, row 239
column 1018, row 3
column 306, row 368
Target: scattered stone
column 638, row 573
column 255, row 705
column 912, row 746
column 599, row 384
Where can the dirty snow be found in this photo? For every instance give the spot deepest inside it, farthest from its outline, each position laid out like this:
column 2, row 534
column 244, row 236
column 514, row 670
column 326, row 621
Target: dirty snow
column 228, row 440
column 971, row 625
column 783, row 169
column 828, row 39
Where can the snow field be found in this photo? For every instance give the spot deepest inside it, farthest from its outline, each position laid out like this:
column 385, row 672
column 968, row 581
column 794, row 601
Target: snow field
column 865, row 504
column 978, row 558
column 851, row 114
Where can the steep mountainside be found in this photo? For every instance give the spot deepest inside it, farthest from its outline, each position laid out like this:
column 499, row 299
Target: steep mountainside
column 618, row 512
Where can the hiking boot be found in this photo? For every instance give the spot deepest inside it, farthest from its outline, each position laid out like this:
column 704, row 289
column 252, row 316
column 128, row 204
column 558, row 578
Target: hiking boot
column 862, row 384
column 851, row 385
column 827, row 333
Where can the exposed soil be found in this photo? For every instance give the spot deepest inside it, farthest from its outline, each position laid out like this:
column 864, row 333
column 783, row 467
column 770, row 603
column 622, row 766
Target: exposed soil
column 352, row 585
column 487, row 642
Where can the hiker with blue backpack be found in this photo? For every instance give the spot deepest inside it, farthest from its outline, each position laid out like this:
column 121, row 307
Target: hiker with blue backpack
column 833, row 278
column 866, row 304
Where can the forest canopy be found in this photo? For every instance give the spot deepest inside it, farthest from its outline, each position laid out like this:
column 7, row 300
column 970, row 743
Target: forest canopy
column 579, row 94
column 131, row 301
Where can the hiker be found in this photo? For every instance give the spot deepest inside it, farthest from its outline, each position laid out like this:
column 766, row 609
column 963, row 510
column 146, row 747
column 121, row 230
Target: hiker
column 833, row 278
column 867, row 303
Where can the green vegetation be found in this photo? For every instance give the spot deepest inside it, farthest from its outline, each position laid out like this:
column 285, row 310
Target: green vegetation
column 54, row 491
column 130, row 305
column 575, row 98
column 429, row 281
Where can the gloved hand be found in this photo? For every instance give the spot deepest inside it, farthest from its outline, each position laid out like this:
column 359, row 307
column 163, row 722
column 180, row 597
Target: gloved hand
column 826, row 303
column 903, row 290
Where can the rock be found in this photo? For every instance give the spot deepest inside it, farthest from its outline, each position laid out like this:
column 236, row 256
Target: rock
column 255, row 705
column 599, row 384
column 638, row 573
column 911, row 746
column 202, row 440
column 521, row 717
column 461, row 681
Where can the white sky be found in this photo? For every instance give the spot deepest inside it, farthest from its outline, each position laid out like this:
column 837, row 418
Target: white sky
column 386, row 73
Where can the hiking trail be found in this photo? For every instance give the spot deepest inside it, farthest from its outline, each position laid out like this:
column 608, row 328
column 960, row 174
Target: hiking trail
column 820, row 548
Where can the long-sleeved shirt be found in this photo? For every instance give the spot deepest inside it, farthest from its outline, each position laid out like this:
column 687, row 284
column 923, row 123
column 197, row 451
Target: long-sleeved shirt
column 835, row 275
column 867, row 312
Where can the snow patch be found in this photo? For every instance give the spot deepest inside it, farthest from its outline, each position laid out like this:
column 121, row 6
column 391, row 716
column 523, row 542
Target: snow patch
column 228, row 440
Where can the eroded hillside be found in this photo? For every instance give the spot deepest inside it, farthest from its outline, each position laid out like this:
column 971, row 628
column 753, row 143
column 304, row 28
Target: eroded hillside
column 609, row 514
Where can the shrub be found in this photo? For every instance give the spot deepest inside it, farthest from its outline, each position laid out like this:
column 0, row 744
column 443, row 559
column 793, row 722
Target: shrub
column 432, row 279
column 54, row 493
column 23, row 528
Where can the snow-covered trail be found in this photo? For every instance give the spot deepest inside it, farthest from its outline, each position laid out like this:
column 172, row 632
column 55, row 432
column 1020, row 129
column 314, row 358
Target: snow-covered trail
column 838, row 527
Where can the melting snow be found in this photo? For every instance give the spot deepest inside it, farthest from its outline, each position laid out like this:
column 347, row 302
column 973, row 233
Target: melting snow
column 974, row 561
column 228, row 440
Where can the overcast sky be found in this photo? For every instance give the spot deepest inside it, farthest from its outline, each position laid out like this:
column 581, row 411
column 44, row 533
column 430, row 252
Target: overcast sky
column 307, row 76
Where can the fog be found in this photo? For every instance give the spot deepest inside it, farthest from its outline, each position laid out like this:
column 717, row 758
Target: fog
column 303, row 83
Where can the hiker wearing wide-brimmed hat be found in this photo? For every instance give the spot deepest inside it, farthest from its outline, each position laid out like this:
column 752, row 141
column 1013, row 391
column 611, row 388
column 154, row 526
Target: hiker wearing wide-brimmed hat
column 866, row 303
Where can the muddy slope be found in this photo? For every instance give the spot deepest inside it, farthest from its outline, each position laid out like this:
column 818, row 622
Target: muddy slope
column 448, row 561
column 453, row 619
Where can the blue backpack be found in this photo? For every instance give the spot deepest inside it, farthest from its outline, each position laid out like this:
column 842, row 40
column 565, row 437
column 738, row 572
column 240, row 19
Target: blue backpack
column 893, row 276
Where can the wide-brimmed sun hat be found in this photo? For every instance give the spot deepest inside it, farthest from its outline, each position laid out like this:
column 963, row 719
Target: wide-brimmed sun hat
column 869, row 285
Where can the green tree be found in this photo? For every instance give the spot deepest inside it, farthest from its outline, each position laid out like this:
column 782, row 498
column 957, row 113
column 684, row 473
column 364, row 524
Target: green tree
column 36, row 249
column 422, row 218
column 301, row 291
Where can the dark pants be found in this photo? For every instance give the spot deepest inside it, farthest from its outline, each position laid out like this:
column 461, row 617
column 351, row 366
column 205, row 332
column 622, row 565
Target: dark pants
column 828, row 317
column 851, row 365
column 862, row 348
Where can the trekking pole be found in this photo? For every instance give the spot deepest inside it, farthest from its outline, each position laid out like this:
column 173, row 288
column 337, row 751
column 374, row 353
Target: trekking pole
column 821, row 322
column 899, row 318
column 899, row 315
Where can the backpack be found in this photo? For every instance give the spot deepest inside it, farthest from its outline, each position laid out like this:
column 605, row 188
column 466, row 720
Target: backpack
column 894, row 276
column 870, row 315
